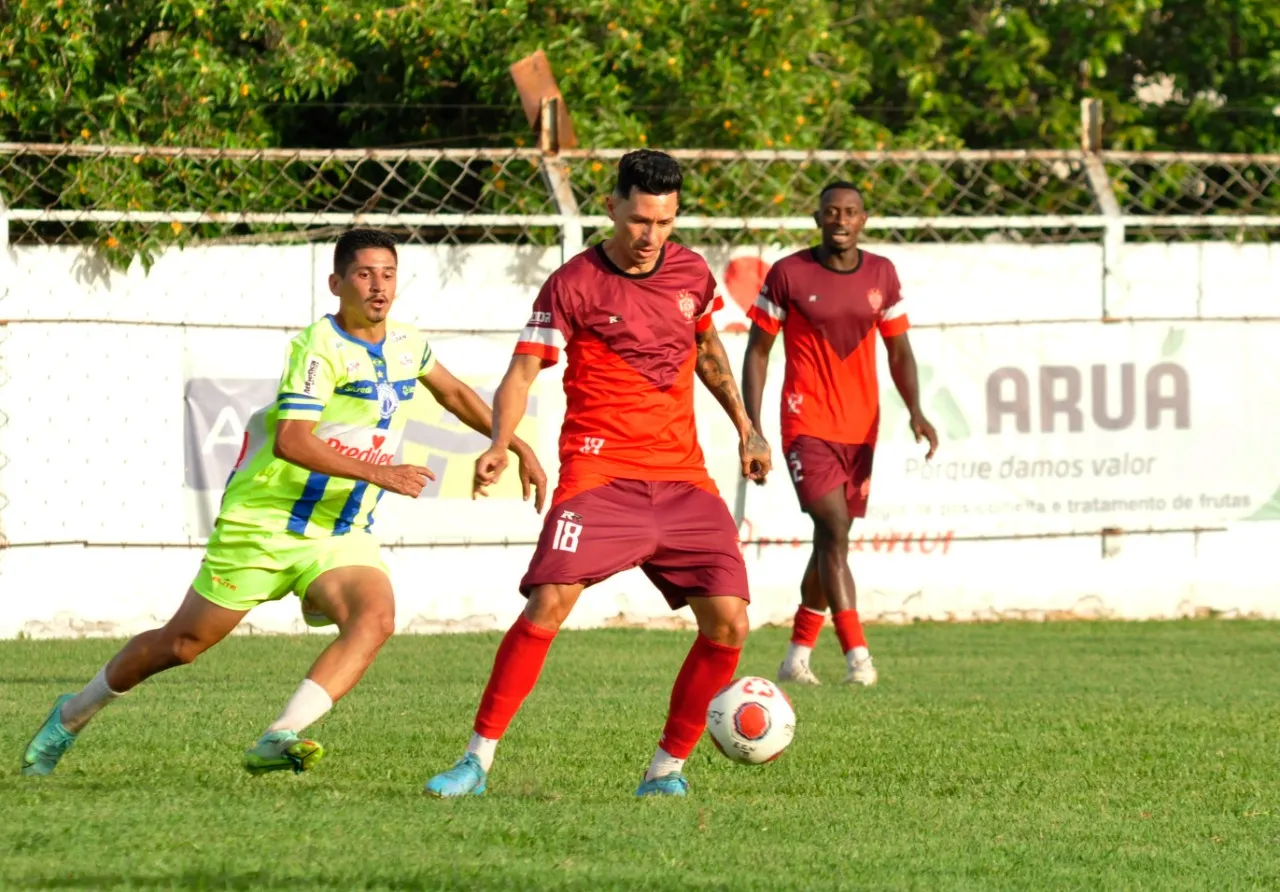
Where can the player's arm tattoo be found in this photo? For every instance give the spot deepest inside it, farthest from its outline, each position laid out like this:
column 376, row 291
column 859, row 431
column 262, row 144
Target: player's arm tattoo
column 716, row 373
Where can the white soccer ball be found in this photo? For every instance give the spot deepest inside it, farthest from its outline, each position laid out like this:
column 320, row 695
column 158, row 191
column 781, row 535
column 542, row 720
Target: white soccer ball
column 751, row 720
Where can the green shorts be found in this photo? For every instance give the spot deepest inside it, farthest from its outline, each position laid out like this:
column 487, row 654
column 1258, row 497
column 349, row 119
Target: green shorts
column 245, row 566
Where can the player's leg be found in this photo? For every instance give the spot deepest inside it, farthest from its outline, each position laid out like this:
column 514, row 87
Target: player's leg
column 516, row 667
column 584, row 540
column 817, row 470
column 197, row 625
column 833, row 513
column 697, row 563
column 805, row 627
column 346, row 582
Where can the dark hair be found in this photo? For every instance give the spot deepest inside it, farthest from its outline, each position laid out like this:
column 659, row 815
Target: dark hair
column 654, row 173
column 354, row 240
column 840, row 184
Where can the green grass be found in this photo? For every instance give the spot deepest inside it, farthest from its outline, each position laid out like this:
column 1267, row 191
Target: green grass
column 1012, row 756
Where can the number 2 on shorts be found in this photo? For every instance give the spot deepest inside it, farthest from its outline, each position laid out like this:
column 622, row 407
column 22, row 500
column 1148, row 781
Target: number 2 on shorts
column 797, row 473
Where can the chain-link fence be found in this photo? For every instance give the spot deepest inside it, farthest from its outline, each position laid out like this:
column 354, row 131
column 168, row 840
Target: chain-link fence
column 132, row 201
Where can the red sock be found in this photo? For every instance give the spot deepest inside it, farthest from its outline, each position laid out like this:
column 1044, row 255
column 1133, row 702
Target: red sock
column 708, row 668
column 849, row 630
column 806, row 627
column 515, row 671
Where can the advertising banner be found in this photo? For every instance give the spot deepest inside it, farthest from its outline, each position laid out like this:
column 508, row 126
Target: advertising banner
column 1072, row 427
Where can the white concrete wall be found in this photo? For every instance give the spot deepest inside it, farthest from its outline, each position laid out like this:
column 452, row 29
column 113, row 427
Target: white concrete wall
column 100, row 521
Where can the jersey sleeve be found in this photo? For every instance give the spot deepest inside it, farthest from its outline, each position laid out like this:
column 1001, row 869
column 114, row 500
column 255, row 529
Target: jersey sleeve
column 770, row 309
column 550, row 326
column 893, row 315
column 307, row 384
column 710, row 302
column 428, row 361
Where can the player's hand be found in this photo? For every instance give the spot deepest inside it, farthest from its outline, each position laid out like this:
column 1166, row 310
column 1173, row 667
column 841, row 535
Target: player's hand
column 757, row 460
column 406, row 480
column 489, row 467
column 923, row 430
column 532, row 477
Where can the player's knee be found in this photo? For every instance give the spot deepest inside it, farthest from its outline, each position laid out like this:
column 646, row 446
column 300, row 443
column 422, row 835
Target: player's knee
column 729, row 628
column 832, row 533
column 549, row 606
column 185, row 648
column 377, row 623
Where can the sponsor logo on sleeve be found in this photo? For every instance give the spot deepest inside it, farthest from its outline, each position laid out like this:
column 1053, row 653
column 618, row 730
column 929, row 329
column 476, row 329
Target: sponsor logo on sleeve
column 310, row 379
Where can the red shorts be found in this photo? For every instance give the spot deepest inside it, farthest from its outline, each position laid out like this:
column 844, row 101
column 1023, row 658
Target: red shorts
column 682, row 536
column 820, row 466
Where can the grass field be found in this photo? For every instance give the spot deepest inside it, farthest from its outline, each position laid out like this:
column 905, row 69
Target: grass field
column 1017, row 756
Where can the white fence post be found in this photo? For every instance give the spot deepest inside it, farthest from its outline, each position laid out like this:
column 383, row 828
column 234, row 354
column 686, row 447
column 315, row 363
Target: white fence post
column 556, row 174
column 1096, row 171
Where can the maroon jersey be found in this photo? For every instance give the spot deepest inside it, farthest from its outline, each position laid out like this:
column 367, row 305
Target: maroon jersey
column 629, row 344
column 829, row 321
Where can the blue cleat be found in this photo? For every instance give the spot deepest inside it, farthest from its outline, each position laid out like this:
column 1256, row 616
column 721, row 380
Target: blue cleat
column 465, row 777
column 49, row 744
column 668, row 785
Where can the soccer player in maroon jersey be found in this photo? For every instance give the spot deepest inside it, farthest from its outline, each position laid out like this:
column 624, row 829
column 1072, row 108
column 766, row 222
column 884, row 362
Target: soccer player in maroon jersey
column 829, row 302
column 632, row 317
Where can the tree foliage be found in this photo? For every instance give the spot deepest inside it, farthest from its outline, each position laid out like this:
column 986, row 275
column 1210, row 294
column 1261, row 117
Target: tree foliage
column 731, row 73
column 751, row 74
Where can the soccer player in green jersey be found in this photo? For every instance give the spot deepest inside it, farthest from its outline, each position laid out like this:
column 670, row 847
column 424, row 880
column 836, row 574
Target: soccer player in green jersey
column 298, row 508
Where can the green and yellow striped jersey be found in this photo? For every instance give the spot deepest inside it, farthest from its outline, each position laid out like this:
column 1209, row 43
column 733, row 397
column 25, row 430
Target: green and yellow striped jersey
column 356, row 392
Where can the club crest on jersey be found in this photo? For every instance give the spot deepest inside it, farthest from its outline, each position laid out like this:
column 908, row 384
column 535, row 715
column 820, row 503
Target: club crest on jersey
column 876, row 299
column 688, row 306
column 794, row 402
column 388, row 402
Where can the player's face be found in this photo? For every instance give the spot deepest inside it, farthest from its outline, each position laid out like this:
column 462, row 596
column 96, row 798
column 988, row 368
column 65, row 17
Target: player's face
column 841, row 218
column 369, row 287
column 642, row 224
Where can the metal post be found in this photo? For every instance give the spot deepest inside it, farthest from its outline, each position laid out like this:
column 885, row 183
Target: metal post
column 556, row 175
column 6, row 282
column 1100, row 183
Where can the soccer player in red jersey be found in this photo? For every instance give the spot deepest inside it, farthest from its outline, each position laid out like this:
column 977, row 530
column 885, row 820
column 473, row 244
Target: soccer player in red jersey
column 632, row 317
column 829, row 302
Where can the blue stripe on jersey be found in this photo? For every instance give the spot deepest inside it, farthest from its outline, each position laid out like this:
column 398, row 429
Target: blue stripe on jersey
column 352, row 506
column 296, row 397
column 368, row 521
column 312, row 492
column 301, row 407
column 368, row 390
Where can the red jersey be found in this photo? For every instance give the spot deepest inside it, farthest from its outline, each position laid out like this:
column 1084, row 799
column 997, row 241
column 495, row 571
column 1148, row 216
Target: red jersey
column 630, row 353
column 828, row 320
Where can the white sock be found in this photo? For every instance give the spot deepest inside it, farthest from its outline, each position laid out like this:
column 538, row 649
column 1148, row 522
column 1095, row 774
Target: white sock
column 483, row 749
column 798, row 654
column 308, row 703
column 663, row 763
column 77, row 711
column 857, row 655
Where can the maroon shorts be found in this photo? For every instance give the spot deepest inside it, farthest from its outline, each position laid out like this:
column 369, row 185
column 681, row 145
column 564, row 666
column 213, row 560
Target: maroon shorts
column 683, row 537
column 819, row 466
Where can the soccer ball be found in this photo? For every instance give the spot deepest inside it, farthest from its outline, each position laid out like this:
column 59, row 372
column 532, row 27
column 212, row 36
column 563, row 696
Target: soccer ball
column 751, row 720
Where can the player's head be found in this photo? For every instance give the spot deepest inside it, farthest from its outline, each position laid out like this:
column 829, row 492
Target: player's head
column 643, row 205
column 364, row 274
column 841, row 215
